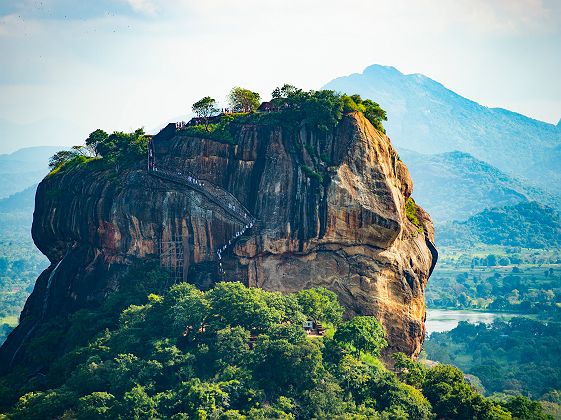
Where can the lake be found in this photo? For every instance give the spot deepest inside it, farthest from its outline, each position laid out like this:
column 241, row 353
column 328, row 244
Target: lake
column 439, row 320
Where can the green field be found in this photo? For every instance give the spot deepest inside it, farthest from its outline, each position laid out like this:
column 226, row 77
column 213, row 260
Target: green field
column 20, row 265
column 497, row 278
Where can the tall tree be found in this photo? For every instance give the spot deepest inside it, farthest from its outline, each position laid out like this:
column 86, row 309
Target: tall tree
column 96, row 138
column 243, row 100
column 205, row 108
column 363, row 333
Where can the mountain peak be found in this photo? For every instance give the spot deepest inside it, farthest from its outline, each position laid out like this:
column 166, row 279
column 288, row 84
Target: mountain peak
column 381, row 69
column 427, row 117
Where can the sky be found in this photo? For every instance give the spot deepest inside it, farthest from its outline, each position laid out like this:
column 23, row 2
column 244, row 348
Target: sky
column 68, row 67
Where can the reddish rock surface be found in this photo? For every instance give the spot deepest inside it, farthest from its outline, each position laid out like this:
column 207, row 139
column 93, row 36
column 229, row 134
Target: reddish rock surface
column 345, row 230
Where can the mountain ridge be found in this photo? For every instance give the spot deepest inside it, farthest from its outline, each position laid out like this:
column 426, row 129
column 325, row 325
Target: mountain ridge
column 526, row 225
column 455, row 185
column 426, row 117
column 23, row 168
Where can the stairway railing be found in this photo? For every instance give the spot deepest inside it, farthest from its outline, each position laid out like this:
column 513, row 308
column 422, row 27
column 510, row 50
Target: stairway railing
column 218, row 196
column 222, row 198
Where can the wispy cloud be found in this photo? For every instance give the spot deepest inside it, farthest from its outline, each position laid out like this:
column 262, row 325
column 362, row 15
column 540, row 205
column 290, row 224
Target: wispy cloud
column 119, row 64
column 147, row 7
column 74, row 9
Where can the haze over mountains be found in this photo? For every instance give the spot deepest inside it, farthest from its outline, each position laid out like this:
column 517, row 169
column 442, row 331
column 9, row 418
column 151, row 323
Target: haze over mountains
column 24, row 168
column 463, row 157
column 455, row 185
column 426, row 117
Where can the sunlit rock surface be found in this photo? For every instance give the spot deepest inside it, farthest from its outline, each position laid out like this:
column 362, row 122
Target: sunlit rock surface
column 343, row 227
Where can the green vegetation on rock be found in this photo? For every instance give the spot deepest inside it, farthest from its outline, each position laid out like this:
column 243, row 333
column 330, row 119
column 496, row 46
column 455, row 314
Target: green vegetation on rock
column 205, row 108
column 310, row 173
column 369, row 108
column 411, row 213
column 220, row 129
column 111, row 149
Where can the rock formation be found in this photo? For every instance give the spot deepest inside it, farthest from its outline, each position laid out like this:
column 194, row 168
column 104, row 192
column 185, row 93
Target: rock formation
column 329, row 210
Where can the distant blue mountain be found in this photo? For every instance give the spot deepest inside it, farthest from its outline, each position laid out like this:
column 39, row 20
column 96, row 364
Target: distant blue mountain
column 23, row 201
column 426, row 117
column 528, row 225
column 24, row 168
column 455, row 185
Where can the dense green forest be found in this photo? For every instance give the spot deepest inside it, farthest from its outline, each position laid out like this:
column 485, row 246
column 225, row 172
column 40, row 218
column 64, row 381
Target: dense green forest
column 500, row 279
column 526, row 224
column 232, row 353
column 530, row 290
column 518, row 356
column 20, row 261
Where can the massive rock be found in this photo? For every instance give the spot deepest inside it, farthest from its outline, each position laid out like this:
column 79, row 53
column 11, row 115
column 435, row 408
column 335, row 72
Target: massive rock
column 330, row 211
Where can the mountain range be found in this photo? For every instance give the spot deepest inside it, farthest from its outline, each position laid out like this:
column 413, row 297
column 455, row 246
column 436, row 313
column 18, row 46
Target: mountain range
column 456, row 185
column 426, row 117
column 463, row 157
column 24, row 168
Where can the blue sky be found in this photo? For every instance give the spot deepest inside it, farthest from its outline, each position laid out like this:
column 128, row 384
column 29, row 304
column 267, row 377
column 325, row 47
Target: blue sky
column 68, row 67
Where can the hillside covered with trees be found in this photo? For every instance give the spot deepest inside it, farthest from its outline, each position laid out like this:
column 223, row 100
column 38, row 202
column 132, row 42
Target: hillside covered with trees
column 453, row 186
column 234, row 353
column 518, row 356
column 20, row 261
column 526, row 224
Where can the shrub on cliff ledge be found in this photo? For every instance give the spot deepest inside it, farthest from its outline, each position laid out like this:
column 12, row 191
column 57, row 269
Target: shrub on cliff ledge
column 221, row 131
column 370, row 109
column 411, row 213
column 115, row 148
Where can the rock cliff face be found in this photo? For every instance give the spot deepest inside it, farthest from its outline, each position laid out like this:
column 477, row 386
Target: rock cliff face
column 337, row 221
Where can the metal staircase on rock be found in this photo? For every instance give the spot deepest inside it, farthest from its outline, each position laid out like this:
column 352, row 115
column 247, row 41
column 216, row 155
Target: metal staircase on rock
column 171, row 257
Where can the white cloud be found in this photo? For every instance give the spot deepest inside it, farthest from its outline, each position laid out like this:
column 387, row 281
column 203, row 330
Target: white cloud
column 124, row 71
column 147, row 7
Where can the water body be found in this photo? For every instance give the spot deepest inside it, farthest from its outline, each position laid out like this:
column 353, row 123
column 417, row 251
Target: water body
column 440, row 320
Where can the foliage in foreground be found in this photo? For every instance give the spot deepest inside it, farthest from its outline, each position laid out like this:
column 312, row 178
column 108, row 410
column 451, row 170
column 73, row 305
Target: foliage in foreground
column 235, row 352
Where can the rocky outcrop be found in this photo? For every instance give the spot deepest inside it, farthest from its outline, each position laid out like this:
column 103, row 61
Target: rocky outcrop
column 330, row 211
